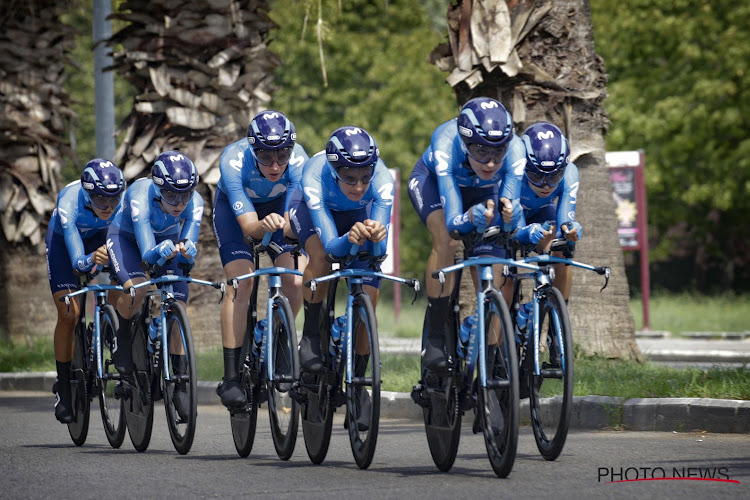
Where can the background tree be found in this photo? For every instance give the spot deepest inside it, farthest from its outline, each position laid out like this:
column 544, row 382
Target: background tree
column 679, row 74
column 34, row 121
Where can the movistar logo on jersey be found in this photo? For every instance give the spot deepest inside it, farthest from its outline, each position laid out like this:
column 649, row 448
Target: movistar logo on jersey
column 466, row 132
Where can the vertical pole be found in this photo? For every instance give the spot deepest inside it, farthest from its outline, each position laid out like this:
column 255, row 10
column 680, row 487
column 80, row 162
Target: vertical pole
column 396, row 235
column 104, row 86
column 642, row 221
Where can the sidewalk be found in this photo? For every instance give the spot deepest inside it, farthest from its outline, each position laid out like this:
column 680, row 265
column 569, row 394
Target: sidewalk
column 589, row 412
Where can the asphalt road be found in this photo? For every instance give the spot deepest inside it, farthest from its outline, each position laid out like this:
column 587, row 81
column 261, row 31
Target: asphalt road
column 38, row 460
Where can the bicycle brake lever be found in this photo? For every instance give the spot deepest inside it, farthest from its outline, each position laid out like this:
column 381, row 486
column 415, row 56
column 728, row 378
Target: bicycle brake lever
column 606, row 272
column 222, row 288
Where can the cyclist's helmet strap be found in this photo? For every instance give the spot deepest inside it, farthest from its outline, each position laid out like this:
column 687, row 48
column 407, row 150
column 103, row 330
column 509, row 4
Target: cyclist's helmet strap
column 174, row 171
column 485, row 121
column 351, row 147
column 102, row 177
column 271, row 130
column 547, row 149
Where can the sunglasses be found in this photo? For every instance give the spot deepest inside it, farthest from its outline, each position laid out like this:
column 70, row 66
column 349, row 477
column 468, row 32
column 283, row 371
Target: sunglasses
column 266, row 157
column 174, row 199
column 484, row 154
column 345, row 175
column 541, row 180
column 104, row 202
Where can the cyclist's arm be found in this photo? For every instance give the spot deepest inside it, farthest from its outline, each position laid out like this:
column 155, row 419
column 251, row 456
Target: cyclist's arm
column 294, row 173
column 514, row 164
column 566, row 205
column 140, row 215
column 68, row 215
column 383, row 190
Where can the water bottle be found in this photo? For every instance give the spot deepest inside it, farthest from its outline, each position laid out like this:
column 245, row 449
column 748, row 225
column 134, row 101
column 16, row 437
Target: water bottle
column 464, row 333
column 260, row 331
column 522, row 319
column 153, row 333
column 339, row 327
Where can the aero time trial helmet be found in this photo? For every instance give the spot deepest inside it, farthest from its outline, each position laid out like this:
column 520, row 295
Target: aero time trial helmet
column 547, row 154
column 175, row 175
column 272, row 137
column 352, row 148
column 102, row 182
column 485, row 128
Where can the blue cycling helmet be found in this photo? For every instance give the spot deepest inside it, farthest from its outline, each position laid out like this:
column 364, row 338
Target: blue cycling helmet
column 271, row 130
column 174, row 171
column 485, row 121
column 547, row 154
column 351, row 147
column 101, row 177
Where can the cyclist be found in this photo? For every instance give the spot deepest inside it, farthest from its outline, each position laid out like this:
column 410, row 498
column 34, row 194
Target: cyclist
column 160, row 218
column 345, row 199
column 76, row 245
column 258, row 175
column 548, row 192
column 471, row 159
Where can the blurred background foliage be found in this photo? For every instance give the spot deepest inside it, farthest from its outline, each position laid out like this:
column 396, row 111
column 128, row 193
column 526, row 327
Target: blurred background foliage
column 678, row 74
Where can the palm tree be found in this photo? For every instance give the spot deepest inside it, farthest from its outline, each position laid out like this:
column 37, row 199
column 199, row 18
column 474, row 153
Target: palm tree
column 34, row 122
column 538, row 59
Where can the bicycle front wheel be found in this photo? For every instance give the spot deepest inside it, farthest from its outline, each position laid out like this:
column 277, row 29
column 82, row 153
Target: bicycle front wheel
column 283, row 410
column 243, row 420
column 181, row 388
column 112, row 408
column 79, row 375
column 498, row 398
column 363, row 394
column 551, row 392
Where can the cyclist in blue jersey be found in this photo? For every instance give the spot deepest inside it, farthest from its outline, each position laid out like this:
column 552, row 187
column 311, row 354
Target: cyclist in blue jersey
column 75, row 245
column 345, row 199
column 471, row 159
column 548, row 193
column 258, row 175
column 159, row 219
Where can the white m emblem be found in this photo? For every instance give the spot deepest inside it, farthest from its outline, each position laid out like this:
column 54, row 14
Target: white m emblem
column 353, row 131
column 545, row 135
column 488, row 105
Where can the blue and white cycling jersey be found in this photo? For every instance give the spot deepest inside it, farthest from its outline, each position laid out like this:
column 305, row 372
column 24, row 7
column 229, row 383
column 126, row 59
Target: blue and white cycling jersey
column 76, row 222
column 560, row 205
column 446, row 159
column 141, row 218
column 323, row 196
column 243, row 183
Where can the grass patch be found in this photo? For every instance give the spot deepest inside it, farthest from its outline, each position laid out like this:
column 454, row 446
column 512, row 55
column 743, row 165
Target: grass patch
column 38, row 355
column 687, row 312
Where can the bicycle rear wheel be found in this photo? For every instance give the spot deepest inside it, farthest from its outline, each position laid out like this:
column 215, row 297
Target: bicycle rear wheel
column 283, row 410
column 79, row 375
column 243, row 420
column 551, row 393
column 498, row 404
column 112, row 408
column 319, row 388
column 181, row 390
column 363, row 394
column 442, row 414
column 139, row 407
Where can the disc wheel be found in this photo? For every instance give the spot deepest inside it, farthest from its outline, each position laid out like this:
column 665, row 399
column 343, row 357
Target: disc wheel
column 551, row 392
column 112, row 408
column 283, row 410
column 79, row 374
column 442, row 415
column 181, row 389
column 139, row 407
column 363, row 394
column 498, row 399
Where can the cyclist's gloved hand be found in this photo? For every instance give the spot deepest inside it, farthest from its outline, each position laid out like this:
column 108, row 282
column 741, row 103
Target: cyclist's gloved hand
column 572, row 231
column 189, row 248
column 536, row 232
column 479, row 217
column 165, row 249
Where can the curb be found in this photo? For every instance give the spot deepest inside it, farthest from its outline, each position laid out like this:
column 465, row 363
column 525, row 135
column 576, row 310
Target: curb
column 589, row 412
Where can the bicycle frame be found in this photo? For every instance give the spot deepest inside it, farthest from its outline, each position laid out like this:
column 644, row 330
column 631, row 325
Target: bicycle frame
column 167, row 297
column 100, row 292
column 354, row 283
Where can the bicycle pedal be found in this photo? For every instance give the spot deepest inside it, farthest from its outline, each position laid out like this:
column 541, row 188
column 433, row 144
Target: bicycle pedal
column 416, row 396
column 298, row 396
column 339, row 399
column 122, row 391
